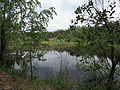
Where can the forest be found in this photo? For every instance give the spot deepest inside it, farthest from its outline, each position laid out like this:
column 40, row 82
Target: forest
column 85, row 56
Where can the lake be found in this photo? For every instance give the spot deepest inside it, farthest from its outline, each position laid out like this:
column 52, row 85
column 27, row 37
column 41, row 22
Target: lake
column 56, row 62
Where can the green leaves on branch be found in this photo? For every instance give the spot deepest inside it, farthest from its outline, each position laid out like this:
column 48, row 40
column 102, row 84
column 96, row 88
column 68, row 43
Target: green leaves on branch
column 92, row 15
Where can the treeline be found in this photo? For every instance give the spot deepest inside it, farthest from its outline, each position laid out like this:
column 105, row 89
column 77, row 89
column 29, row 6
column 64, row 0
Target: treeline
column 77, row 33
column 71, row 32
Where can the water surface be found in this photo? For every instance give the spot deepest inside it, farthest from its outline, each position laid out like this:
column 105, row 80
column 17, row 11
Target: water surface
column 58, row 62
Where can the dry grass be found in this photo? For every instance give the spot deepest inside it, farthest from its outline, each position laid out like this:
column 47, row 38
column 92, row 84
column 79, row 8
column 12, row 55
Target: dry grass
column 10, row 82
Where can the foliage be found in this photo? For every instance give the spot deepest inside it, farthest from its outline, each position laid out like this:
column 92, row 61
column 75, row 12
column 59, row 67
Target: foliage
column 20, row 23
column 99, row 37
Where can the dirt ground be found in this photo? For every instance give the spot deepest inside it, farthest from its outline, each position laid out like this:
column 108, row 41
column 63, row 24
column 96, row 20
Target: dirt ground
column 11, row 82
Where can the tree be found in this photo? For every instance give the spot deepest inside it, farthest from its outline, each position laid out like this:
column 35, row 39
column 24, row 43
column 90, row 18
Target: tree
column 9, row 20
column 18, row 17
column 36, row 22
column 101, row 32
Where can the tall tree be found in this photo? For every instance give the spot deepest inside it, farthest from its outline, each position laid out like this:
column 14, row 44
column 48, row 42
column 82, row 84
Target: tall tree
column 36, row 23
column 19, row 16
column 102, row 28
column 9, row 19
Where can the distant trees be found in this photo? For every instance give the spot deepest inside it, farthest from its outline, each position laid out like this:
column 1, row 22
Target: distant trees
column 101, row 32
column 68, row 34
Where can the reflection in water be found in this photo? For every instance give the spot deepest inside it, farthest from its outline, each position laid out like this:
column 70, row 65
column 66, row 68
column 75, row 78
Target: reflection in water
column 58, row 62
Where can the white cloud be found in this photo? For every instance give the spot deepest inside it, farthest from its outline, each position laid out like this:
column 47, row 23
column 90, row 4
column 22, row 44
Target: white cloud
column 65, row 12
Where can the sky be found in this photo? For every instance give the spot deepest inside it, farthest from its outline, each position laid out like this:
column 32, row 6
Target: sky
column 65, row 12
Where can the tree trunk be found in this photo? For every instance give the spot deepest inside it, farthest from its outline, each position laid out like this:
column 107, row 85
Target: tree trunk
column 112, row 71
column 31, row 68
column 2, row 48
column 2, row 37
column 111, row 77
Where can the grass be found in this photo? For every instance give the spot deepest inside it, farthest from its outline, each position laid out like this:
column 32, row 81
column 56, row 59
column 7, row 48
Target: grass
column 16, row 80
column 56, row 44
column 9, row 81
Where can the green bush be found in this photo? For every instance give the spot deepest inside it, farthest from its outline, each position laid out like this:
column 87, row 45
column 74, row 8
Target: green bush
column 75, row 39
column 45, row 44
